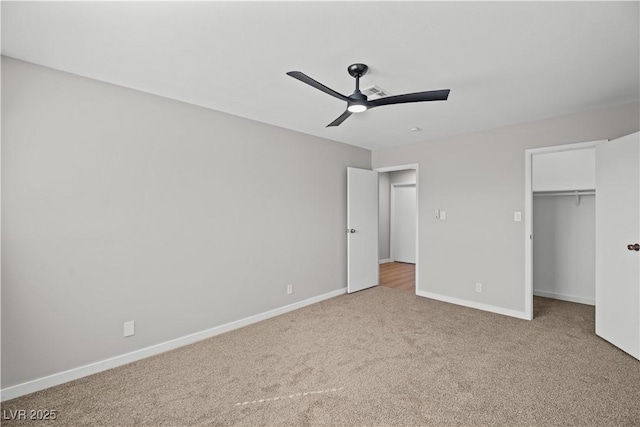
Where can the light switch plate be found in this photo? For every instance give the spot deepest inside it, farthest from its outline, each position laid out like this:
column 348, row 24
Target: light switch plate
column 517, row 216
column 443, row 214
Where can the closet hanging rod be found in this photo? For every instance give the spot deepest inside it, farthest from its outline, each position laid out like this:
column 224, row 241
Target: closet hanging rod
column 565, row 193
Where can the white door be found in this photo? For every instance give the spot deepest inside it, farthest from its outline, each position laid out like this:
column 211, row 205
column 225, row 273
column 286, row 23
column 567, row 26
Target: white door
column 403, row 223
column 617, row 227
column 362, row 229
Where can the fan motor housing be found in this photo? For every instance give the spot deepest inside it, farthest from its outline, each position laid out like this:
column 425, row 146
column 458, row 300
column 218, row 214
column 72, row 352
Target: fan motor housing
column 358, row 96
column 357, row 70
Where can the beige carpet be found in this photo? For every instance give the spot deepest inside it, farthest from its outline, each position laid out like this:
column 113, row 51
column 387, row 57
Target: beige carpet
column 378, row 357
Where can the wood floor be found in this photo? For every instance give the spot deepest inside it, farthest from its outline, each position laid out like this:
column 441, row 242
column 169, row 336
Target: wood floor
column 398, row 275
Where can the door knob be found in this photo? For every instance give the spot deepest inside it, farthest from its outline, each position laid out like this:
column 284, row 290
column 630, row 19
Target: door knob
column 350, row 230
column 634, row 247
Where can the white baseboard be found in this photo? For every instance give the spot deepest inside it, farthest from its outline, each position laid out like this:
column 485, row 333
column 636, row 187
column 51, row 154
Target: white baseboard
column 563, row 297
column 92, row 368
column 384, row 261
column 476, row 305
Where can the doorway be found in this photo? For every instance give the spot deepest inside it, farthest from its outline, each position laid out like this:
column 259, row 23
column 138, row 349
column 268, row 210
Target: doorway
column 398, row 227
column 561, row 180
column 403, row 218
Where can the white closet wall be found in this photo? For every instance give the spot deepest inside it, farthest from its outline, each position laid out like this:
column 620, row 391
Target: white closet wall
column 564, row 248
column 564, row 170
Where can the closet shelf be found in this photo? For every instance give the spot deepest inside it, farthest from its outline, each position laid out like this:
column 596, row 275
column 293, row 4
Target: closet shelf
column 576, row 193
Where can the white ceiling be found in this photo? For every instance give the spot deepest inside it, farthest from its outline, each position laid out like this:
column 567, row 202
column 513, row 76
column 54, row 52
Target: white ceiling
column 505, row 62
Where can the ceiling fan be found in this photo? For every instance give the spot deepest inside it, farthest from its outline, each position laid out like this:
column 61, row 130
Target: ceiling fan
column 357, row 102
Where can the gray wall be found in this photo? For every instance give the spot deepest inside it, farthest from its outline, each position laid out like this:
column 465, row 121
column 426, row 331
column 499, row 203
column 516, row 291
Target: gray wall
column 384, row 201
column 479, row 180
column 564, row 247
column 120, row 205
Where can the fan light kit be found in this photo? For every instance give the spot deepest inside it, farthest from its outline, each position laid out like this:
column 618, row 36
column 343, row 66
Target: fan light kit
column 357, row 108
column 357, row 102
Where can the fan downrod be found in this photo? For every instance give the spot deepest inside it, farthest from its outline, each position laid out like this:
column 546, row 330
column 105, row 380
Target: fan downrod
column 357, row 70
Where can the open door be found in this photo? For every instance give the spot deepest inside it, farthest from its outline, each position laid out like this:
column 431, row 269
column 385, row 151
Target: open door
column 617, row 238
column 362, row 229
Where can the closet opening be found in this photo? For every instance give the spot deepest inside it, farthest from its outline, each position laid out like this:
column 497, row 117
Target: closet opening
column 563, row 247
column 560, row 227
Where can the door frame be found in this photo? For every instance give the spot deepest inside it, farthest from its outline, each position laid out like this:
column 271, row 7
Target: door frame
column 392, row 214
column 410, row 166
column 528, row 213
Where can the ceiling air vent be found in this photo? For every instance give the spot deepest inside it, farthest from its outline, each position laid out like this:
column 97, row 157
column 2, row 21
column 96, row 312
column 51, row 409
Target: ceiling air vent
column 375, row 92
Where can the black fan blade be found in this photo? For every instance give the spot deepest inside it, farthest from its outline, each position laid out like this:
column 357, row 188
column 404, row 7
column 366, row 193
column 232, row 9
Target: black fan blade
column 340, row 119
column 308, row 80
column 432, row 95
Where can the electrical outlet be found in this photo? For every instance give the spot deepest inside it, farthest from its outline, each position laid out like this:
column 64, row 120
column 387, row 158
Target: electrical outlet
column 289, row 289
column 478, row 287
column 129, row 328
